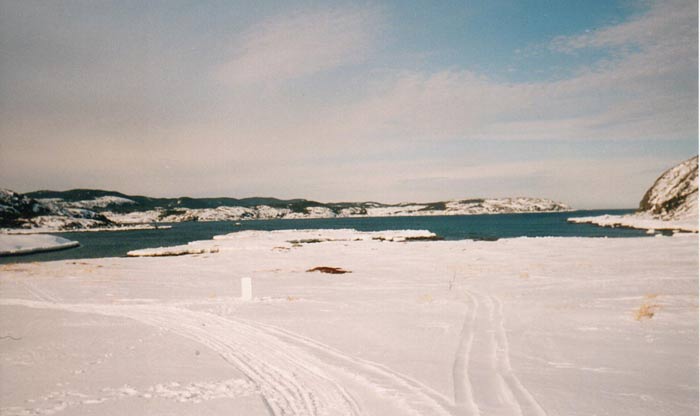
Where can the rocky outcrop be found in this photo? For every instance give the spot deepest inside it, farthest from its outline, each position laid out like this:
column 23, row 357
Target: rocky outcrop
column 21, row 211
column 15, row 208
column 670, row 204
column 674, row 195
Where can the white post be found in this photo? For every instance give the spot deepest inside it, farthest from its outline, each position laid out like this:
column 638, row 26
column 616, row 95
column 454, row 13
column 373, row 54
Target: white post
column 246, row 288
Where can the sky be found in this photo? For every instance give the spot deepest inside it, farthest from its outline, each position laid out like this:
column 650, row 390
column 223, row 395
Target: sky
column 584, row 102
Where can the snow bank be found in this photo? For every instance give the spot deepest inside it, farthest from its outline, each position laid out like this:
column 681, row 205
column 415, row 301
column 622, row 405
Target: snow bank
column 11, row 245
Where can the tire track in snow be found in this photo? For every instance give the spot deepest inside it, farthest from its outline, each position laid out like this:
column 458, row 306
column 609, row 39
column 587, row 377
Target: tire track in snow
column 525, row 399
column 464, row 396
column 416, row 397
column 291, row 382
column 492, row 394
column 41, row 294
column 297, row 375
column 484, row 379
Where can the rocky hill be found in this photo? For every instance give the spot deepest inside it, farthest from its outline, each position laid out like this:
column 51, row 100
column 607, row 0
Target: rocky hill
column 20, row 211
column 310, row 209
column 108, row 208
column 670, row 204
column 674, row 195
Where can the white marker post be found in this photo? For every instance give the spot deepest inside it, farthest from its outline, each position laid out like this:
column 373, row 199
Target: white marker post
column 246, row 289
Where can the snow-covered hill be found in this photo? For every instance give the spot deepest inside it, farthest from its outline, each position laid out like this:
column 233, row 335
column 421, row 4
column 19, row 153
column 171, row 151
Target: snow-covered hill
column 670, row 204
column 85, row 208
column 20, row 211
column 457, row 207
column 674, row 195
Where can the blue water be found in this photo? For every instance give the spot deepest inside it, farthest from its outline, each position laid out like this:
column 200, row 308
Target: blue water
column 477, row 227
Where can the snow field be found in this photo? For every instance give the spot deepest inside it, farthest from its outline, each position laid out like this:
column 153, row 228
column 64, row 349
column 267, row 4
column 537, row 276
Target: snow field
column 512, row 327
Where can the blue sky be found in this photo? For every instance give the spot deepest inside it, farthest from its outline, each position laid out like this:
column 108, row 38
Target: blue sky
column 583, row 102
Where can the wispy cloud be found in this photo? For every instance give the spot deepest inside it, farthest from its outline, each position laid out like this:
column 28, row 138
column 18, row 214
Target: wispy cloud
column 667, row 23
column 295, row 45
column 123, row 98
column 645, row 88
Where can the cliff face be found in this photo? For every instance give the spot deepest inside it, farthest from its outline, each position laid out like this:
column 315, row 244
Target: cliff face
column 674, row 195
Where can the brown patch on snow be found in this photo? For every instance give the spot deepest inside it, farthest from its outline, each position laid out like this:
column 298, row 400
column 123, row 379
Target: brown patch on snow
column 329, row 270
column 648, row 308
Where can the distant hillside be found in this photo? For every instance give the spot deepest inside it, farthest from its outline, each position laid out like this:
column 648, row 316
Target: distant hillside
column 89, row 208
column 674, row 195
column 122, row 203
column 22, row 211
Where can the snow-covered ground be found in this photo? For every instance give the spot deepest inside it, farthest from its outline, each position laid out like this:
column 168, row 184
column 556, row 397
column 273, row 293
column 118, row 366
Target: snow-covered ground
column 25, row 244
column 545, row 326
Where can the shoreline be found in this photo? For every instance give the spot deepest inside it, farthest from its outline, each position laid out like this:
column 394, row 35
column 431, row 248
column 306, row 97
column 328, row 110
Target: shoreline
column 436, row 214
column 22, row 245
column 134, row 227
column 27, row 251
column 639, row 222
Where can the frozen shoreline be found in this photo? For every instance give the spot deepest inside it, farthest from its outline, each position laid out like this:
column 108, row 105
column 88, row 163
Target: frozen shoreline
column 131, row 227
column 639, row 221
column 16, row 245
column 516, row 326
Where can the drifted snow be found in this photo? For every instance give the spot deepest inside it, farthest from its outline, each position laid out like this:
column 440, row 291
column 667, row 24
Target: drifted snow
column 546, row 326
column 25, row 244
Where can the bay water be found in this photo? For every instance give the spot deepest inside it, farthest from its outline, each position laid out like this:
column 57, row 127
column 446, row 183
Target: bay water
column 458, row 227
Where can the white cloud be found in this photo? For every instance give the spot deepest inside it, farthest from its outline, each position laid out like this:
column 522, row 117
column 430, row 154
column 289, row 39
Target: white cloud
column 645, row 89
column 300, row 44
column 345, row 138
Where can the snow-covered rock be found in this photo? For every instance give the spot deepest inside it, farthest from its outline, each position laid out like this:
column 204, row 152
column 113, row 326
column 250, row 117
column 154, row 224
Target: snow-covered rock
column 674, row 195
column 137, row 217
column 19, row 211
column 14, row 207
column 670, row 204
